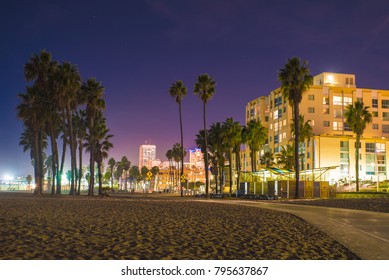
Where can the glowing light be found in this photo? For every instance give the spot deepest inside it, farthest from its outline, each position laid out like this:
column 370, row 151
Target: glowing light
column 330, row 79
column 8, row 177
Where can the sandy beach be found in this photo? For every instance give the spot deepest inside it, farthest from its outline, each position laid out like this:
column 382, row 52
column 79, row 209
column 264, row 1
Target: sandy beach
column 144, row 228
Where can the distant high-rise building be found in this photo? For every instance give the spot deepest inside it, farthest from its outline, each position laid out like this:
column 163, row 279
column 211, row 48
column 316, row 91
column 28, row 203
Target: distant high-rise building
column 196, row 158
column 147, row 154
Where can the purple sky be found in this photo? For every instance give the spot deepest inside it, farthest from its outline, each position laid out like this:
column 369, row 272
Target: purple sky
column 138, row 48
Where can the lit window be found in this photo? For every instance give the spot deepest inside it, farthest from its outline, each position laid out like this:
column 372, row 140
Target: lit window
column 347, row 101
column 337, row 100
column 337, row 125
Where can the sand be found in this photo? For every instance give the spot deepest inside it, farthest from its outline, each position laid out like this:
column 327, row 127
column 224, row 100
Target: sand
column 110, row 228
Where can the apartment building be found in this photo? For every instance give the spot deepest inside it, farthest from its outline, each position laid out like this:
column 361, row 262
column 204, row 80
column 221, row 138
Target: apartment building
column 147, row 154
column 333, row 142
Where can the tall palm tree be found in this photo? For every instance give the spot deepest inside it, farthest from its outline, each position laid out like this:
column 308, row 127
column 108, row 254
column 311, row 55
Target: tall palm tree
column 103, row 145
column 79, row 120
column 217, row 148
column 232, row 136
column 357, row 117
column 111, row 164
column 93, row 92
column 31, row 111
column 68, row 81
column 205, row 89
column 178, row 91
column 295, row 80
column 255, row 135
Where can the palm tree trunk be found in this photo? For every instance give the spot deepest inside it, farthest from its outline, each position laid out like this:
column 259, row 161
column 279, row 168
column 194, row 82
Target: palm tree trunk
column 357, row 145
column 72, row 150
column 36, row 163
column 237, row 163
column 59, row 174
column 91, row 172
column 54, row 151
column 205, row 154
column 182, row 149
column 221, row 177
column 112, row 177
column 296, row 146
column 230, row 169
column 80, row 167
column 253, row 161
column 100, row 176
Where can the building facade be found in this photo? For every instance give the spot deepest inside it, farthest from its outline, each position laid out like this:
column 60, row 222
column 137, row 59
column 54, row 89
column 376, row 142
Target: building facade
column 333, row 142
column 147, row 154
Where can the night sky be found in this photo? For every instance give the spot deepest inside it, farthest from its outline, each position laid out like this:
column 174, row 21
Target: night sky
column 138, row 48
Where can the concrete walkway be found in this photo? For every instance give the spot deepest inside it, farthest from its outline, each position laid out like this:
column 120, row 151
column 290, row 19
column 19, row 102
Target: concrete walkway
column 366, row 233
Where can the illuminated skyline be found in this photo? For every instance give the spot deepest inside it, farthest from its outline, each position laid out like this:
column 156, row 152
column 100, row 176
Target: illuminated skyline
column 139, row 48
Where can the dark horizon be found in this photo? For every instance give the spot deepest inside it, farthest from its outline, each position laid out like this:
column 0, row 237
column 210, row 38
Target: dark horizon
column 138, row 49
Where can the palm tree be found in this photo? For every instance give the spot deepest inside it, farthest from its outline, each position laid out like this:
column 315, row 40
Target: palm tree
column 68, row 81
column 29, row 180
column 357, row 117
column 93, row 92
column 286, row 157
column 125, row 165
column 111, row 164
column 169, row 155
column 31, row 111
column 205, row 89
column 255, row 135
column 232, row 136
column 134, row 174
column 178, row 156
column 103, row 145
column 305, row 134
column 178, row 91
column 295, row 80
column 217, row 148
column 267, row 159
column 155, row 171
column 79, row 120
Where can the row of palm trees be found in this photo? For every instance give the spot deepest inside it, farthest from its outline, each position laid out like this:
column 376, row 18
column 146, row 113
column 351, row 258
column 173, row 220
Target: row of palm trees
column 175, row 155
column 295, row 81
column 204, row 87
column 225, row 139
column 123, row 172
column 57, row 105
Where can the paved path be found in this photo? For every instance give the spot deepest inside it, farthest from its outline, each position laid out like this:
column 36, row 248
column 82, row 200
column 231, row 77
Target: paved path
column 366, row 233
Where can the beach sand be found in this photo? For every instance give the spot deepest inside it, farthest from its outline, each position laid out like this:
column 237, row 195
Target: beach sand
column 143, row 228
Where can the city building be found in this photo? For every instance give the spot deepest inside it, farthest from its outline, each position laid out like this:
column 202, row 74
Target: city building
column 147, row 154
column 332, row 143
column 196, row 158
